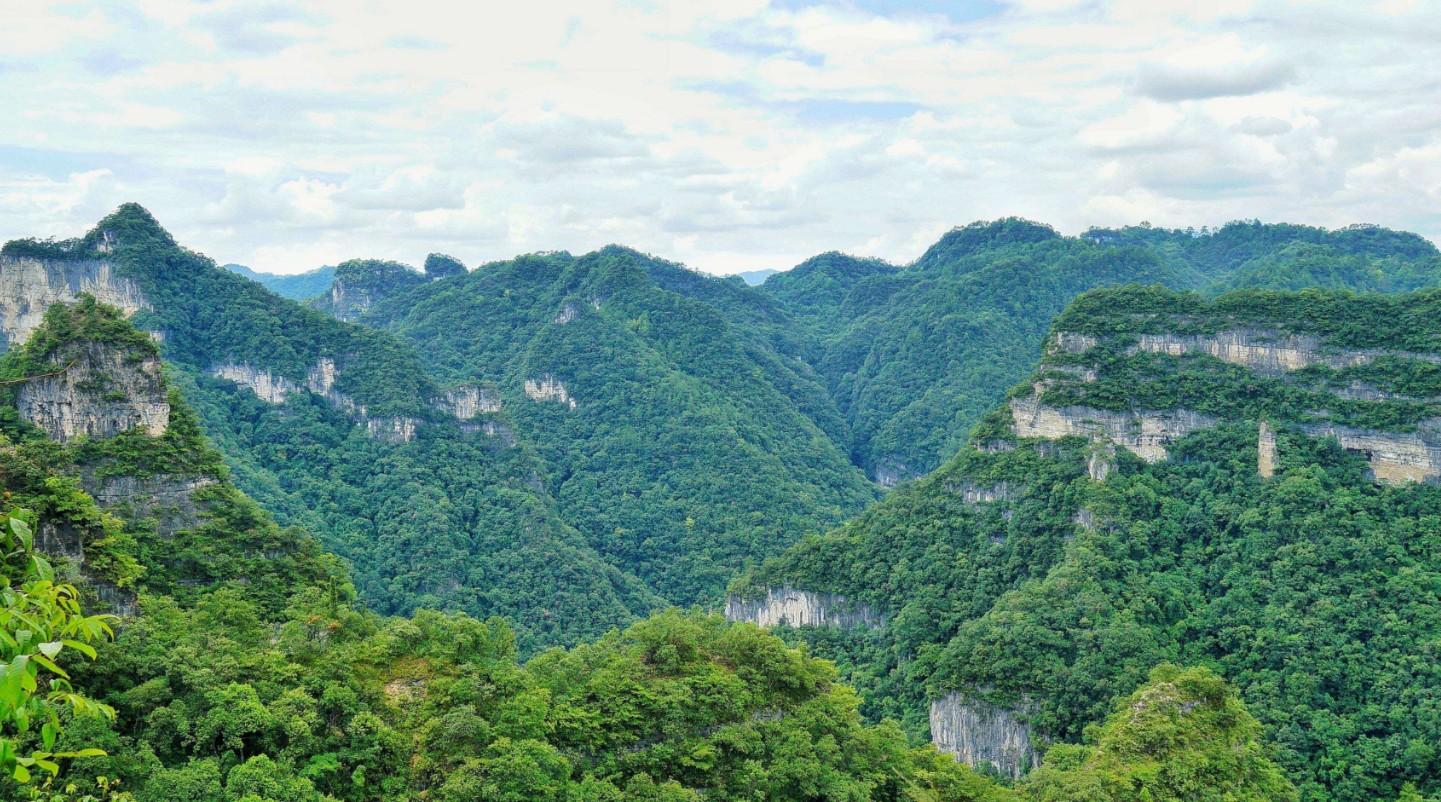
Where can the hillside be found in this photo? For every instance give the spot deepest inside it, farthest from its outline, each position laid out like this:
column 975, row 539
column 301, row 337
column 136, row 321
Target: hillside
column 683, row 434
column 914, row 356
column 242, row 669
column 1248, row 483
column 340, row 429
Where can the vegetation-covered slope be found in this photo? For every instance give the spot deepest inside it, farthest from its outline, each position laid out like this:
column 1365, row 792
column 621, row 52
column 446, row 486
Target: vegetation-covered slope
column 340, row 429
column 682, row 434
column 243, row 672
column 1247, row 483
column 914, row 356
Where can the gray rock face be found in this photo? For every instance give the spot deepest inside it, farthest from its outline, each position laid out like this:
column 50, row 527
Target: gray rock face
column 319, row 380
column 979, row 733
column 97, row 392
column 1143, row 432
column 1395, row 457
column 1265, row 450
column 29, row 286
column 392, row 430
column 168, row 500
column 549, row 388
column 891, row 472
column 785, row 606
column 974, row 494
column 347, row 302
column 466, row 402
column 1266, row 351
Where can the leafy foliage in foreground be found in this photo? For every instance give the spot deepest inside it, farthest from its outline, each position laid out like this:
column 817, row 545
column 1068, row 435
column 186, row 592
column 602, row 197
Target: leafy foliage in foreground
column 39, row 620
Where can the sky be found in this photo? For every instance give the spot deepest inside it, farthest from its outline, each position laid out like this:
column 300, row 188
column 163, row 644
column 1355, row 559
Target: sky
column 730, row 136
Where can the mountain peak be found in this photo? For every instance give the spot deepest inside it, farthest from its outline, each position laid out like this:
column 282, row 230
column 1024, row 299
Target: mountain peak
column 439, row 266
column 981, row 235
column 130, row 224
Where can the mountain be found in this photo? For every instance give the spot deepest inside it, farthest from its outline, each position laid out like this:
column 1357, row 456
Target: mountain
column 1247, row 482
column 757, row 277
column 914, row 356
column 242, row 669
column 683, row 434
column 340, row 429
column 298, row 287
column 569, row 442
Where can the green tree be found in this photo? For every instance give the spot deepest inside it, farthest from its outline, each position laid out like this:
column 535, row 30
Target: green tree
column 39, row 619
column 1185, row 736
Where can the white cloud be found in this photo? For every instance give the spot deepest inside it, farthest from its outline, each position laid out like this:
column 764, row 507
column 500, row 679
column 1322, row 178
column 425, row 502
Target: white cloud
column 729, row 135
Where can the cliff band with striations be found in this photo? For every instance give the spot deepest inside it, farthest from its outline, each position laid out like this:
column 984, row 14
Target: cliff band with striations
column 29, row 285
column 800, row 608
column 96, row 391
column 979, row 733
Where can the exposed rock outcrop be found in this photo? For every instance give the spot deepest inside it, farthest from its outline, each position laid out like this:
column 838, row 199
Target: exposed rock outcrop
column 1267, row 351
column 491, row 428
column 96, row 391
column 971, row 493
column 1265, row 450
column 566, row 314
column 319, row 380
column 267, row 386
column 548, row 388
column 392, row 430
column 1143, row 432
column 1101, row 462
column 978, row 733
column 466, row 402
column 1395, row 457
column 360, row 283
column 168, row 500
column 28, row 286
column 786, row 606
column 1070, row 342
column 891, row 472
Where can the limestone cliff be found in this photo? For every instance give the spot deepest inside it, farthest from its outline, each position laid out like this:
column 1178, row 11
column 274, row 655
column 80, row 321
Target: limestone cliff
column 1395, row 457
column 548, row 388
column 30, row 284
column 979, row 733
column 96, row 390
column 1143, row 432
column 785, row 606
column 361, row 283
column 468, row 401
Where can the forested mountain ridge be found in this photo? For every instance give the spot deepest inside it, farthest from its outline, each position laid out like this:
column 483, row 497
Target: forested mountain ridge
column 243, row 671
column 913, row 356
column 297, row 287
column 684, row 434
column 341, row 429
column 1247, row 482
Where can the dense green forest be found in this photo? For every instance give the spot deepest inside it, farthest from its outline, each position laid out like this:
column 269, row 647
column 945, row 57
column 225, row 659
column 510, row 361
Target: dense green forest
column 454, row 519
column 913, row 357
column 242, row 669
column 1013, row 574
column 648, row 430
column 695, row 440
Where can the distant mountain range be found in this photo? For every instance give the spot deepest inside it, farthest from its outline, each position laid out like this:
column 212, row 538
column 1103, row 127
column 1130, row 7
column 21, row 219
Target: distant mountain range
column 297, row 287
